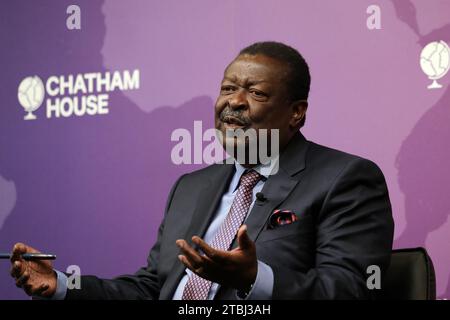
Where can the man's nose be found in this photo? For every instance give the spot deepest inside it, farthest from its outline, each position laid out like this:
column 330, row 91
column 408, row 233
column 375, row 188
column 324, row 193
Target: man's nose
column 238, row 100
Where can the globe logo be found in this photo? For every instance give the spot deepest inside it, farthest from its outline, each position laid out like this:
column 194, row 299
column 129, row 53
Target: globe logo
column 435, row 62
column 31, row 94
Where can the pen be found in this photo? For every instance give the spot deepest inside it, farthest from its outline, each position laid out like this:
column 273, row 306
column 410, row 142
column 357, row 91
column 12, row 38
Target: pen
column 30, row 256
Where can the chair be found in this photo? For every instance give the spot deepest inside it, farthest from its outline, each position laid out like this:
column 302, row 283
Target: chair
column 410, row 276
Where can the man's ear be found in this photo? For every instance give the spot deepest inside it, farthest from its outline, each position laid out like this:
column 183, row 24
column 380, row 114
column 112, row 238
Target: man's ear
column 298, row 108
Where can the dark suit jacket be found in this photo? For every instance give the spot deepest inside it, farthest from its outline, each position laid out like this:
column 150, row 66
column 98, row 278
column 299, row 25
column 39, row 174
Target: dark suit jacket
column 345, row 224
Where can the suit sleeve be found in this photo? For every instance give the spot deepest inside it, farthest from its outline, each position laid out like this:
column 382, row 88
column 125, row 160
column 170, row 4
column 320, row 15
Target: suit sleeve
column 354, row 230
column 144, row 284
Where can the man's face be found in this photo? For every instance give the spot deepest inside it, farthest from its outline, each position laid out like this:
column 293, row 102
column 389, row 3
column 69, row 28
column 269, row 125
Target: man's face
column 253, row 94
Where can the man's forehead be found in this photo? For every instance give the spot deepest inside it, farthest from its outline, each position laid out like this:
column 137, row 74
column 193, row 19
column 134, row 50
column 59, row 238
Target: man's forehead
column 255, row 69
column 244, row 78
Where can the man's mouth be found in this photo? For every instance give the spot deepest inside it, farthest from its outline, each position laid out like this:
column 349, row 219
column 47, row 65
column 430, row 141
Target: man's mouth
column 233, row 123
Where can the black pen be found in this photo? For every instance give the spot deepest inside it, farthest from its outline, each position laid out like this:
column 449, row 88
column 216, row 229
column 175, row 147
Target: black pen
column 30, row 256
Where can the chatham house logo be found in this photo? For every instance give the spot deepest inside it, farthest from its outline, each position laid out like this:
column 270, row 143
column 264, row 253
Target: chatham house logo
column 31, row 94
column 74, row 95
column 435, row 62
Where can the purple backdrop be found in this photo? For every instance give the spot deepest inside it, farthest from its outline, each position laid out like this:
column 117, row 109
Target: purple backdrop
column 92, row 189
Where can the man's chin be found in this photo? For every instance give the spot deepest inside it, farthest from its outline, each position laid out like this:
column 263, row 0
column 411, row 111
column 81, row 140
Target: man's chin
column 234, row 127
column 240, row 149
column 233, row 143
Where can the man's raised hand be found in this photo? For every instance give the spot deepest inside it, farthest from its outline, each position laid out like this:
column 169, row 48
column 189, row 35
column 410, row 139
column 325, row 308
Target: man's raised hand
column 236, row 268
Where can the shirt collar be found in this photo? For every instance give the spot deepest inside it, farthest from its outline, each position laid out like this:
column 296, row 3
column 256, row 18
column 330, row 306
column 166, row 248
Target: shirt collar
column 263, row 169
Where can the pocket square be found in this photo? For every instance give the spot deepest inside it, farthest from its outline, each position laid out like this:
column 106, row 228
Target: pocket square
column 280, row 218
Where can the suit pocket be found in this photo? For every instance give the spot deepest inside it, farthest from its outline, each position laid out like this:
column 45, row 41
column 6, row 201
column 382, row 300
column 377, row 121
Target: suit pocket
column 303, row 225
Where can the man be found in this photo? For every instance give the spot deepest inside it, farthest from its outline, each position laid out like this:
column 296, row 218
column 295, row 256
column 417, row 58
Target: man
column 234, row 231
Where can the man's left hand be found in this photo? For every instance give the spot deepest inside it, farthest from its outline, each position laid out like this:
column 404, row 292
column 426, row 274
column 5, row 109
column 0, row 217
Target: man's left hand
column 236, row 268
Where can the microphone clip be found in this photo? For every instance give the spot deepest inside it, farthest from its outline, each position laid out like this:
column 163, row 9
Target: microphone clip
column 260, row 197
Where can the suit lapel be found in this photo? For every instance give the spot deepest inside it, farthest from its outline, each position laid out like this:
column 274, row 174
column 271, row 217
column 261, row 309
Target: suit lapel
column 209, row 200
column 278, row 186
column 276, row 189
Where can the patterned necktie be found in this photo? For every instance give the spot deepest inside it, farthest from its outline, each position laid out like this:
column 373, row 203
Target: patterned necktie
column 198, row 288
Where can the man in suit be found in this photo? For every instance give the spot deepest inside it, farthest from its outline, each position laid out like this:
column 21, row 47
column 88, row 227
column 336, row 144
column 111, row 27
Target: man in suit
column 236, row 231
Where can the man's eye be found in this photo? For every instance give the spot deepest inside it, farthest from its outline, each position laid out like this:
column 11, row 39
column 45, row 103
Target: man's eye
column 258, row 94
column 227, row 89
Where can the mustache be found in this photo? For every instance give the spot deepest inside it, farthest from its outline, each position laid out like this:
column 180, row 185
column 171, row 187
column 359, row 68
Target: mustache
column 228, row 114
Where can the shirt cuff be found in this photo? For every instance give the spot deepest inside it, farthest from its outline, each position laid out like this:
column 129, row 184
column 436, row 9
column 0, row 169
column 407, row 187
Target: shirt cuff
column 61, row 286
column 263, row 286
